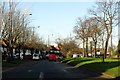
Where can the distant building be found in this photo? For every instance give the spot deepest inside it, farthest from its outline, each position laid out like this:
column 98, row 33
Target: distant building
column 99, row 51
column 75, row 55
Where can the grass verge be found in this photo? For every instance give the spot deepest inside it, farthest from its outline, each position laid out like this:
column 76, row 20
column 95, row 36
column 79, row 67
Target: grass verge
column 110, row 66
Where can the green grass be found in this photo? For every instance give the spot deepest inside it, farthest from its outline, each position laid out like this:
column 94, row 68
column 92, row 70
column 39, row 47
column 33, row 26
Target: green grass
column 115, row 70
column 110, row 66
column 65, row 60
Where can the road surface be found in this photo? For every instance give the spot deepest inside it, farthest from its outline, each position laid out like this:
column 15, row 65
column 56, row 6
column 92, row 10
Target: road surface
column 45, row 70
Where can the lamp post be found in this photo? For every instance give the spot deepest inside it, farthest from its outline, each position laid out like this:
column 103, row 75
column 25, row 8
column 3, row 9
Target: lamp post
column 24, row 27
column 24, row 50
column 32, row 39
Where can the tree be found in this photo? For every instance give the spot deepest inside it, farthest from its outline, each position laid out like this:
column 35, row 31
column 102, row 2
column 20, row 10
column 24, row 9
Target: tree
column 119, row 48
column 82, row 32
column 68, row 46
column 14, row 27
column 106, row 13
column 94, row 31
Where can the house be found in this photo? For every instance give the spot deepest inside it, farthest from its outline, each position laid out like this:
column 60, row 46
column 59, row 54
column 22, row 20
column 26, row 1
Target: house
column 99, row 52
column 75, row 55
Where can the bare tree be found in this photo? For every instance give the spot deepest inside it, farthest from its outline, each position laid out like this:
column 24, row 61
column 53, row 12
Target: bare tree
column 67, row 45
column 94, row 31
column 82, row 32
column 107, row 10
column 13, row 27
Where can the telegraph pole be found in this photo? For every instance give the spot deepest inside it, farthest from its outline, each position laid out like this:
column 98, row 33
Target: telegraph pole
column 24, row 36
column 10, row 30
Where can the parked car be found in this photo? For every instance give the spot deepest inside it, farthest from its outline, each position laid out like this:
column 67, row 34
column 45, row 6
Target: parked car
column 21, row 55
column 41, row 57
column 36, row 56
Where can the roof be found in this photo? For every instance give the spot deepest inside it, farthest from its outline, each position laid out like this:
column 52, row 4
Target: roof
column 53, row 48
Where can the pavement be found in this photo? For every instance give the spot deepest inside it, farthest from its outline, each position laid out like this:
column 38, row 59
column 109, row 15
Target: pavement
column 45, row 70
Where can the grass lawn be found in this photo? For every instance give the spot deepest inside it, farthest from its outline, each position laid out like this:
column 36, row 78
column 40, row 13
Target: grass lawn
column 110, row 66
column 64, row 60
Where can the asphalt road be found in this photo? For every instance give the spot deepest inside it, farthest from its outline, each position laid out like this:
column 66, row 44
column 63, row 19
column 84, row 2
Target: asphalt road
column 45, row 70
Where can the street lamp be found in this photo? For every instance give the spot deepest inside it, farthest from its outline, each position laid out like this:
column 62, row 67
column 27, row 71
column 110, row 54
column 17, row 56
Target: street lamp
column 24, row 34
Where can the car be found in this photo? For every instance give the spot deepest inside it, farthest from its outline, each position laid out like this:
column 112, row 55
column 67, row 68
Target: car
column 53, row 57
column 36, row 56
column 19, row 55
column 47, row 55
column 41, row 57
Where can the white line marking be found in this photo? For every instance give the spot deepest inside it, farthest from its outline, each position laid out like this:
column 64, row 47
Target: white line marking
column 29, row 70
column 41, row 76
column 65, row 70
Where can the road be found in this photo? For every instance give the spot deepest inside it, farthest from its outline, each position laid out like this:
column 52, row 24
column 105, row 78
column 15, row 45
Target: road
column 45, row 70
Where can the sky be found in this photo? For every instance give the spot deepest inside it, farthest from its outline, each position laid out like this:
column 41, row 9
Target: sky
column 57, row 19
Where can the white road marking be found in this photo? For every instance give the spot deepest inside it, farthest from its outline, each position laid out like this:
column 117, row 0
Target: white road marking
column 41, row 76
column 65, row 71
column 29, row 70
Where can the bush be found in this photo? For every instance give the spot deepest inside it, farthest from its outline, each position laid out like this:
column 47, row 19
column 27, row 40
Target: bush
column 69, row 54
column 115, row 53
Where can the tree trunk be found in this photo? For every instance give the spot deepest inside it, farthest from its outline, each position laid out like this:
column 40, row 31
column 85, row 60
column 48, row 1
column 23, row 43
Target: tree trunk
column 24, row 51
column 95, row 50
column 106, row 46
column 118, row 49
column 91, row 47
column 10, row 53
column 86, row 47
column 19, row 47
column 83, row 48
